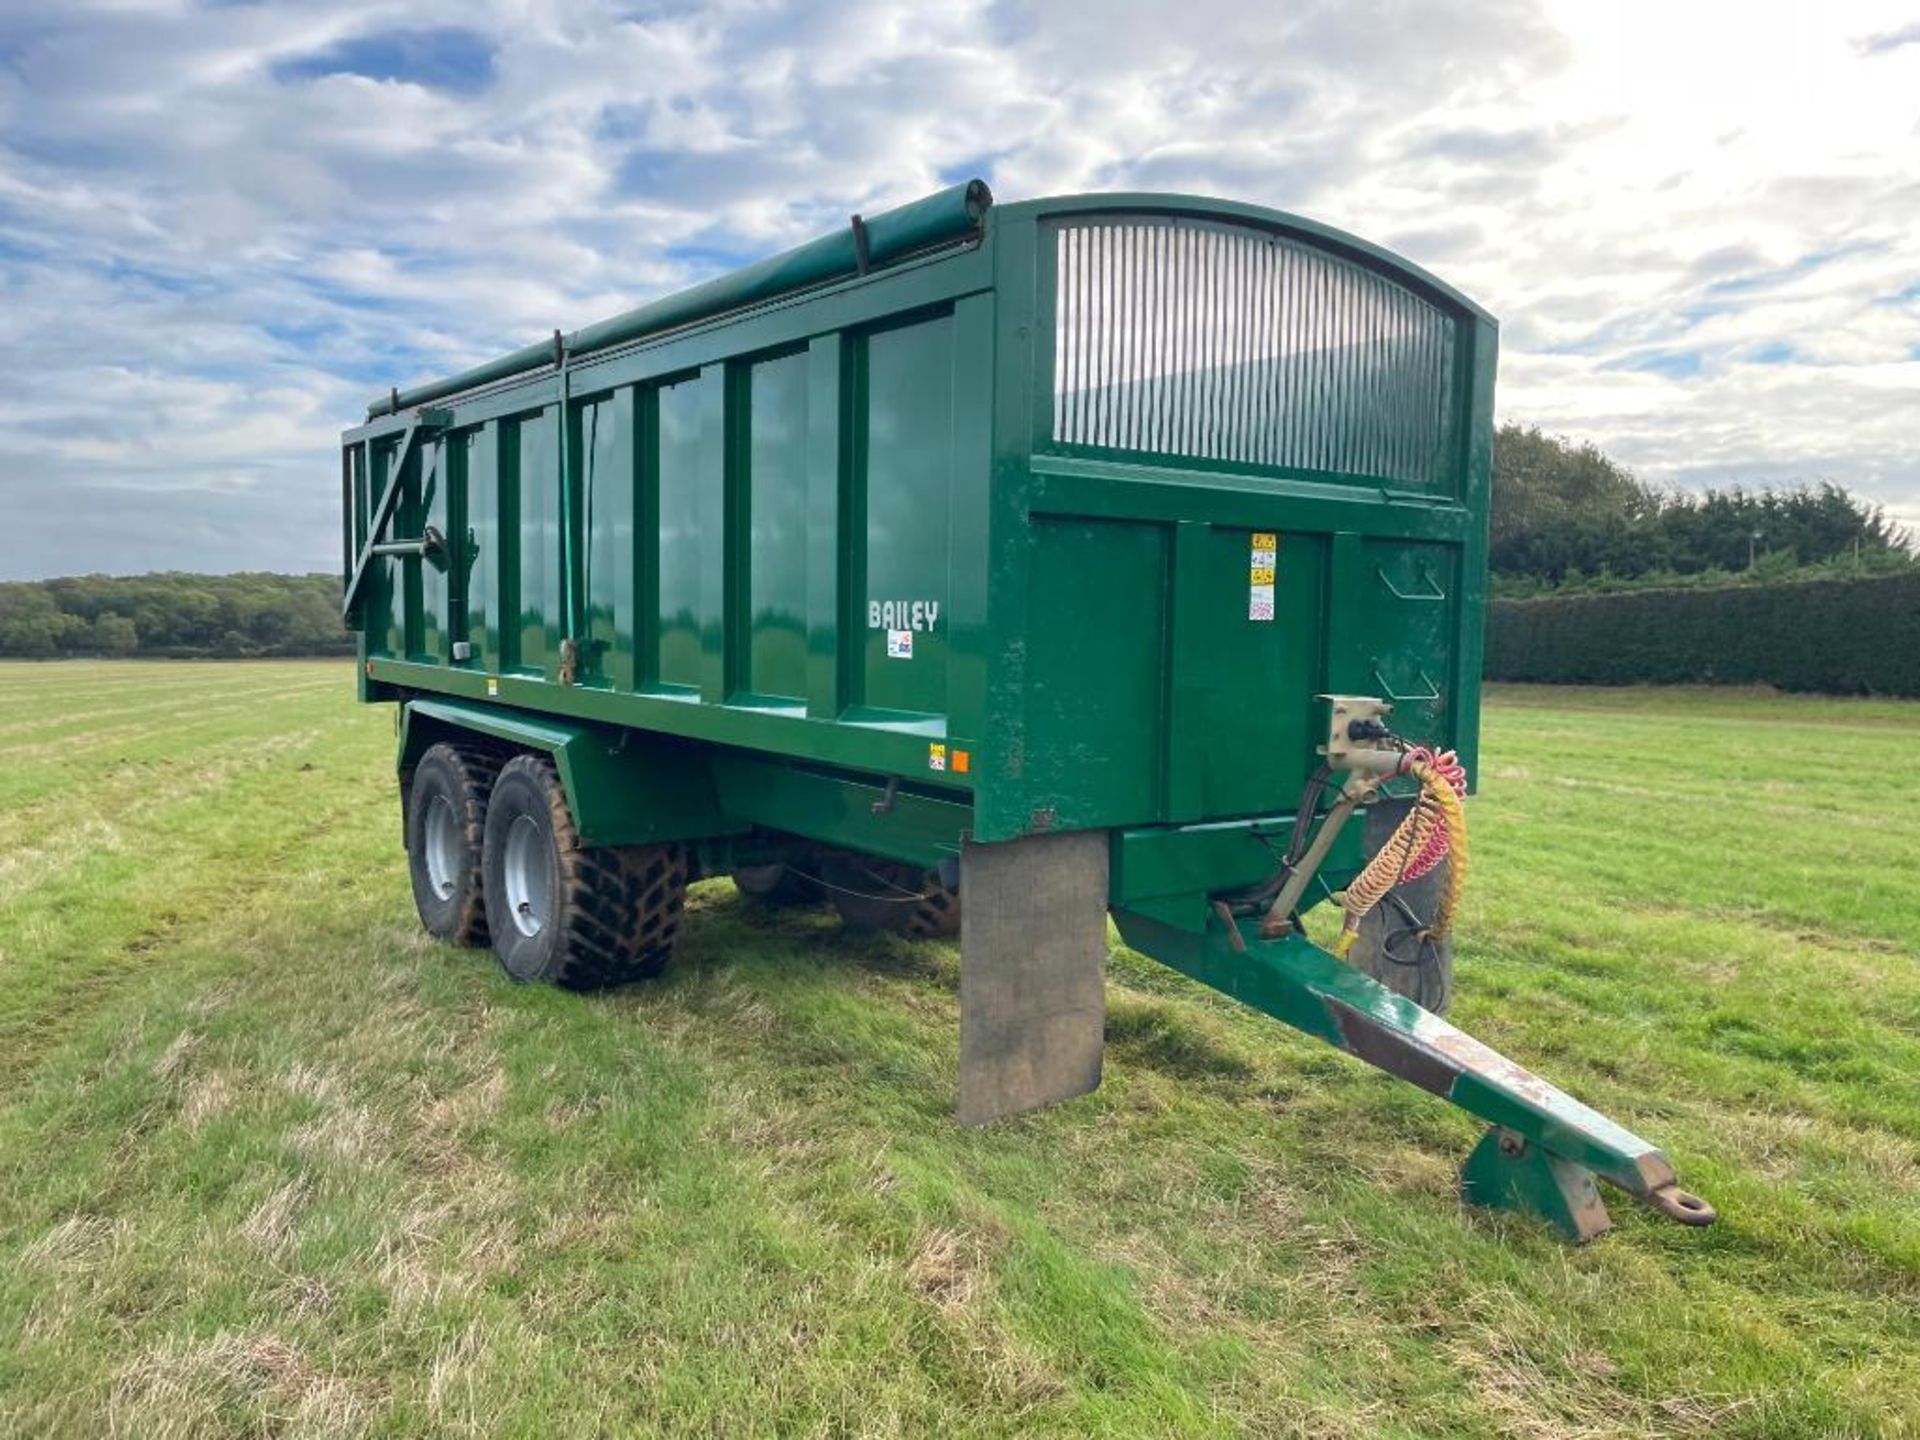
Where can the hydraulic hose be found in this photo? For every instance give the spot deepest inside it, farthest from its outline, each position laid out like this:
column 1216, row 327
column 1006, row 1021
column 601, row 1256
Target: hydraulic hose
column 1433, row 830
column 1455, row 774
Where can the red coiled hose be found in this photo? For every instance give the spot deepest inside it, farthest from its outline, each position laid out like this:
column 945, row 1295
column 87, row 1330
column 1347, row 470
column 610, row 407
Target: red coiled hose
column 1447, row 765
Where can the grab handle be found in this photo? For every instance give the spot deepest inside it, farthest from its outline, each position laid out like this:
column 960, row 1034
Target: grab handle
column 1388, row 692
column 1436, row 593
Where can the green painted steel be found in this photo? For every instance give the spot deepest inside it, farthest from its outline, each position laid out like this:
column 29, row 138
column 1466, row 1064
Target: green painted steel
column 628, row 790
column 1055, row 516
column 859, row 529
column 620, row 793
column 1508, row 1172
column 1295, row 981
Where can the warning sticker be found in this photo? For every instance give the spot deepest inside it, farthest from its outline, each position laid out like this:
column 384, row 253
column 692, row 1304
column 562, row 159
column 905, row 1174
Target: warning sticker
column 936, row 757
column 900, row 644
column 1263, row 563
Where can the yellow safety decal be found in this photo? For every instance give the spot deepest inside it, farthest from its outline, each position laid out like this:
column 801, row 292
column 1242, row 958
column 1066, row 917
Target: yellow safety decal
column 1263, row 561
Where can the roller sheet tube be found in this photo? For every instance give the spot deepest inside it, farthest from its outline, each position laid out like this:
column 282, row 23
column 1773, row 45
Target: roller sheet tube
column 947, row 215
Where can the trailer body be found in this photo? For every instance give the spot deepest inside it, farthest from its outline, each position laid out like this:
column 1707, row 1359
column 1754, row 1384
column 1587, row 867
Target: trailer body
column 982, row 523
column 979, row 526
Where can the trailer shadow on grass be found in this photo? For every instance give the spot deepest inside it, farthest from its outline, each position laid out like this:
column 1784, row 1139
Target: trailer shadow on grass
column 780, row 944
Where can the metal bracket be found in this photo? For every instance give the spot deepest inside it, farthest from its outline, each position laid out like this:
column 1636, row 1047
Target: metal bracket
column 428, row 542
column 1415, row 497
column 862, row 255
column 424, row 422
column 1433, row 690
column 1505, row 1172
column 1435, row 593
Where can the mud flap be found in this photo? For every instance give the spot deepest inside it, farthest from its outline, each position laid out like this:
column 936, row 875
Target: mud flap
column 1032, row 950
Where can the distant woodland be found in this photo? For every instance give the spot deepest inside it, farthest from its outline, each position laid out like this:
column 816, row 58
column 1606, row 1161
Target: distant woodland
column 1568, row 516
column 173, row 615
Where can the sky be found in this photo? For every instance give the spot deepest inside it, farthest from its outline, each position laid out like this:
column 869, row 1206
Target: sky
column 224, row 226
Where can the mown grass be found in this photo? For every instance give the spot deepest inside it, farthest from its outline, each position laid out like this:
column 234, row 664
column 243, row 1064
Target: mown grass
column 270, row 1163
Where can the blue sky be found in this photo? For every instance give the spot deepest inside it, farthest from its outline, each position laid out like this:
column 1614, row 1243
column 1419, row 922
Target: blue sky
column 223, row 226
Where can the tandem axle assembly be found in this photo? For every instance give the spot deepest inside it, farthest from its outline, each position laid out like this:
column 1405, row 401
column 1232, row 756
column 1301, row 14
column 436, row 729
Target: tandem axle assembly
column 1545, row 1151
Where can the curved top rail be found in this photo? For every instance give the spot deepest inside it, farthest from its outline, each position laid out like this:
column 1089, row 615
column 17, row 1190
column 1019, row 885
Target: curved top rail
column 1312, row 232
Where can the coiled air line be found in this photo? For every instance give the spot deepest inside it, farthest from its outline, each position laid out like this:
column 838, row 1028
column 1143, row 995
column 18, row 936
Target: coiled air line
column 1435, row 829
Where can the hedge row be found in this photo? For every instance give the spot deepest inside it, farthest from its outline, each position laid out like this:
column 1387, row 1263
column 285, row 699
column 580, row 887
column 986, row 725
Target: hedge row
column 1839, row 636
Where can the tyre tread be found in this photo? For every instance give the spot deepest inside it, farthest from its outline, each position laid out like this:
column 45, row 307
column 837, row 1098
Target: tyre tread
column 478, row 768
column 619, row 908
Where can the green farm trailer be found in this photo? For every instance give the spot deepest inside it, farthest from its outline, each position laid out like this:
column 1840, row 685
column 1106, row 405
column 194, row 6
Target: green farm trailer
column 985, row 571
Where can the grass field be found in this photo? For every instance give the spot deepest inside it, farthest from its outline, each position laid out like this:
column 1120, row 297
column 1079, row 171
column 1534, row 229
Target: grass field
column 271, row 1163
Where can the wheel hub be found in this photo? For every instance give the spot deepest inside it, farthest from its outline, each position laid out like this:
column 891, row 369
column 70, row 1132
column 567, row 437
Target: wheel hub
column 443, row 847
column 527, row 876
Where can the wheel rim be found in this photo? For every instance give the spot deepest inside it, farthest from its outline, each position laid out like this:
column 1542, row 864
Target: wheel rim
column 443, row 837
column 527, row 876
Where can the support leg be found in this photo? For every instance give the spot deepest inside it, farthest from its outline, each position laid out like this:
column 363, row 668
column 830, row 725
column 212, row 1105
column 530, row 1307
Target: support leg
column 1507, row 1172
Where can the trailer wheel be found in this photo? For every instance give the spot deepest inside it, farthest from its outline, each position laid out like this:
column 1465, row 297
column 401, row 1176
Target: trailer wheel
column 875, row 894
column 1394, row 948
column 778, row 884
column 581, row 916
column 446, row 823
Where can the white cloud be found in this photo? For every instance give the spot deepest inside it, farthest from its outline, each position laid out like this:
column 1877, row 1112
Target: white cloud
column 1699, row 223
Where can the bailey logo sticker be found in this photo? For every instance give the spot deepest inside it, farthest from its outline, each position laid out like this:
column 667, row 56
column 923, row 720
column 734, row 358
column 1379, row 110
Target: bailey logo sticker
column 900, row 644
column 902, row 614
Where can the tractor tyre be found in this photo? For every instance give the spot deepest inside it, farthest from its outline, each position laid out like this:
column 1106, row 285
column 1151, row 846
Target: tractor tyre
column 580, row 916
column 446, row 825
column 875, row 894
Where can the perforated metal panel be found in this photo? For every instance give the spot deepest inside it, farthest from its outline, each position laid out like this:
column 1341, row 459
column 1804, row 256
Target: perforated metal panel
column 1228, row 342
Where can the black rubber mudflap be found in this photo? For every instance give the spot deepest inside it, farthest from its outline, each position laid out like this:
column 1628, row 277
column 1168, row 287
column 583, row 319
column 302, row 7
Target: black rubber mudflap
column 1032, row 1001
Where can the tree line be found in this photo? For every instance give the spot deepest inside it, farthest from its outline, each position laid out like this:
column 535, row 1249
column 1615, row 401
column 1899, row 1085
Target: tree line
column 1568, row 516
column 173, row 615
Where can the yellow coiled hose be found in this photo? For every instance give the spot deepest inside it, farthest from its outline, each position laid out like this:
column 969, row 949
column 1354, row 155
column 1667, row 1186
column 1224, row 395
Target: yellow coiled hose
column 1439, row 805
